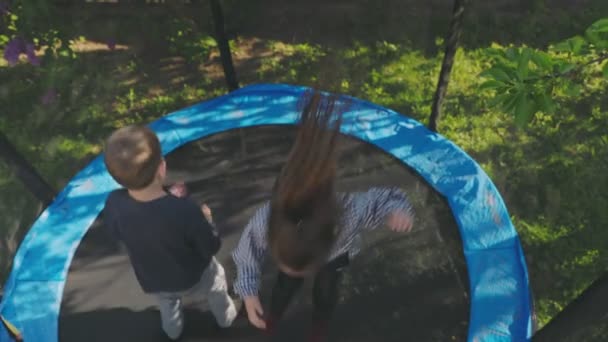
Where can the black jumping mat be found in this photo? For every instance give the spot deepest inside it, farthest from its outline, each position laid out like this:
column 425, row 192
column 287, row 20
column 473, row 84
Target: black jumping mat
column 401, row 287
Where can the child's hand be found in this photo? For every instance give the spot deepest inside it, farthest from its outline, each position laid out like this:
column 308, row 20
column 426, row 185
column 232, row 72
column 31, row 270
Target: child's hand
column 179, row 189
column 207, row 212
column 400, row 222
column 255, row 313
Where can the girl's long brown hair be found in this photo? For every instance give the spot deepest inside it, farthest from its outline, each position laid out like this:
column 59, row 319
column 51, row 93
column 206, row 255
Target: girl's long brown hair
column 304, row 209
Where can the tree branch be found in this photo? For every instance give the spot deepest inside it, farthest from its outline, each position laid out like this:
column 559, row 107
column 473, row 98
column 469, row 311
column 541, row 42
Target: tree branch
column 602, row 57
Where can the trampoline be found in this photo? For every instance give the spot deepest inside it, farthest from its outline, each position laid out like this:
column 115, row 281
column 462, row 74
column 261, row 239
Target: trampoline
column 459, row 276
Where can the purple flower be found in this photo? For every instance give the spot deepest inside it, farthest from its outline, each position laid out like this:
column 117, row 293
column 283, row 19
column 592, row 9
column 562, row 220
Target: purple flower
column 17, row 46
column 49, row 97
column 4, row 8
column 111, row 44
column 13, row 49
column 30, row 51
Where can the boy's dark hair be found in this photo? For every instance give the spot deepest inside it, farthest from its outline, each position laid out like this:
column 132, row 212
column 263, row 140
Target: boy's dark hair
column 132, row 156
column 304, row 209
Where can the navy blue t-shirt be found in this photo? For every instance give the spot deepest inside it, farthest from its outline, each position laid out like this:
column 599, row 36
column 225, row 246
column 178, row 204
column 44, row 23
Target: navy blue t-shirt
column 169, row 241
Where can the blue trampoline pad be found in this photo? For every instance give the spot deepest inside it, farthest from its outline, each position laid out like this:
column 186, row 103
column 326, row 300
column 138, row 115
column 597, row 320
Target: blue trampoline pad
column 494, row 284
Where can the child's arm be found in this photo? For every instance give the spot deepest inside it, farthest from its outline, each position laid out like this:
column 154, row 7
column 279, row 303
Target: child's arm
column 202, row 232
column 248, row 258
column 249, row 253
column 379, row 206
column 207, row 212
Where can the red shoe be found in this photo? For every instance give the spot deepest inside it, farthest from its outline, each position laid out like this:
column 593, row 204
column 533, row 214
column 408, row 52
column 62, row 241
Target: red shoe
column 319, row 332
column 271, row 325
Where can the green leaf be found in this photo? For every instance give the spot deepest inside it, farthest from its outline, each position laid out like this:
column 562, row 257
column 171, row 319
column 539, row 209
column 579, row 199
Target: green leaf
column 546, row 103
column 498, row 99
column 492, row 84
column 496, row 53
column 510, row 101
column 572, row 45
column 542, row 60
column 522, row 64
column 512, row 54
column 504, row 102
column 562, row 47
column 600, row 26
column 564, row 68
column 518, row 98
column 524, row 109
column 605, row 70
column 596, row 39
column 574, row 90
column 496, row 73
column 576, row 44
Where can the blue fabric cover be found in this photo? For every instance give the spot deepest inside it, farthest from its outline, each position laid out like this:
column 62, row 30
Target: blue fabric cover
column 4, row 335
column 500, row 294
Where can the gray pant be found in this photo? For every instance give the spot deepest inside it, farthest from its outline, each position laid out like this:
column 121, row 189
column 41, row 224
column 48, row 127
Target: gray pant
column 211, row 286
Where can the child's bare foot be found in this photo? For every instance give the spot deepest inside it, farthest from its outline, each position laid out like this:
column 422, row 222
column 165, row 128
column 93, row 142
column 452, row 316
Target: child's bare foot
column 207, row 212
column 179, row 189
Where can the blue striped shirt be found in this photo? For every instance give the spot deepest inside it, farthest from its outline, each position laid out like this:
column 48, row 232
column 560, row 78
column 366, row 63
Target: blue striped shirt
column 364, row 211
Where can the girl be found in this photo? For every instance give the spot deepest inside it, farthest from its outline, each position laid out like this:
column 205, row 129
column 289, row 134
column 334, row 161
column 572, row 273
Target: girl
column 307, row 227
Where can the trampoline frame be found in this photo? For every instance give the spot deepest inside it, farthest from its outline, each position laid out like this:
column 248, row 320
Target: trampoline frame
column 501, row 305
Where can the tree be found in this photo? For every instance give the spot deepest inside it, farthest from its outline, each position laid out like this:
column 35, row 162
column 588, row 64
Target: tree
column 527, row 81
column 25, row 172
column 448, row 61
column 226, row 57
column 223, row 45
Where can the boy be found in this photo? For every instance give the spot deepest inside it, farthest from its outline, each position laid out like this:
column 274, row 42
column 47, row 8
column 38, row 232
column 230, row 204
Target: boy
column 168, row 239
